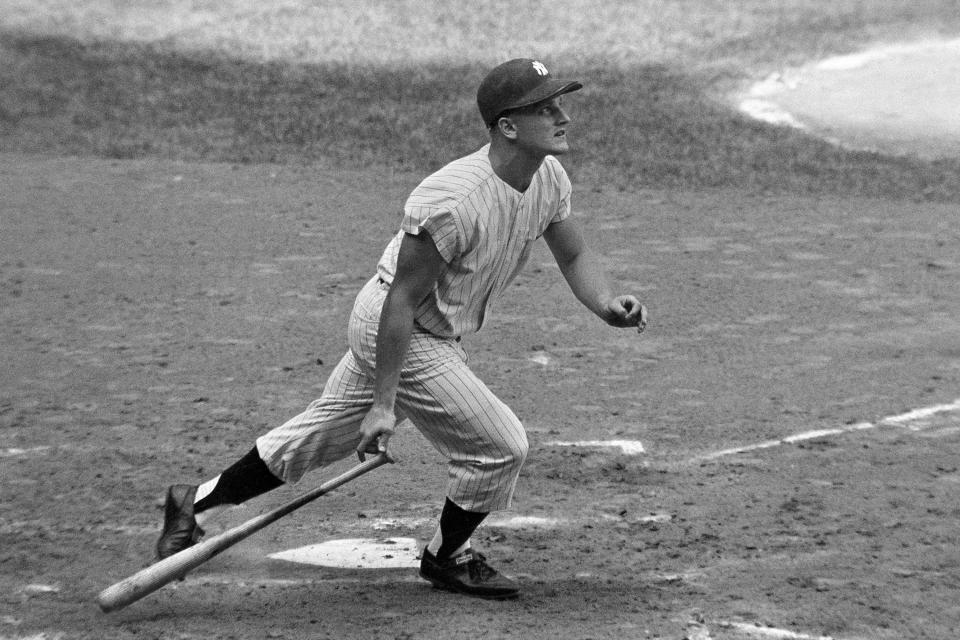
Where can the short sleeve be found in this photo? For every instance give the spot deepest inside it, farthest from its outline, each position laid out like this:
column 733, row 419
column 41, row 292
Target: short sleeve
column 564, row 189
column 439, row 223
column 563, row 211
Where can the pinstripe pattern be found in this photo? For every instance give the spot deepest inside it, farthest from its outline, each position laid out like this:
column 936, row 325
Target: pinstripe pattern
column 484, row 441
column 484, row 230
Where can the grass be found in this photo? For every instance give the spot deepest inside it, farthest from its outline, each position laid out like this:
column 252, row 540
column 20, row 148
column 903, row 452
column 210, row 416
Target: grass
column 240, row 83
column 686, row 33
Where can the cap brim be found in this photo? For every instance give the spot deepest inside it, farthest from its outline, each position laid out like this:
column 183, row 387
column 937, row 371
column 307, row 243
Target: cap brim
column 546, row 91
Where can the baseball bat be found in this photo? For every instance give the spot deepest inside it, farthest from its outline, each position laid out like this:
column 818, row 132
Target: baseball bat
column 151, row 578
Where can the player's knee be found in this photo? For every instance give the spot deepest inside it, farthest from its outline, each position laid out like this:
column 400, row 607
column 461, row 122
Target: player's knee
column 518, row 451
column 510, row 457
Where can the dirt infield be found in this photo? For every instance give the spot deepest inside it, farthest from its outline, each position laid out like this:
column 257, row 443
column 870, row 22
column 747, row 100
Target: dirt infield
column 157, row 316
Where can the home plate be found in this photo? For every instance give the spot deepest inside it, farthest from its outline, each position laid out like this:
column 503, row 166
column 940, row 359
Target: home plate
column 357, row 553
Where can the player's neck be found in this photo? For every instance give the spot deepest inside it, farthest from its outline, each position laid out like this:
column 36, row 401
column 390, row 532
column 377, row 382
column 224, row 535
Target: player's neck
column 513, row 166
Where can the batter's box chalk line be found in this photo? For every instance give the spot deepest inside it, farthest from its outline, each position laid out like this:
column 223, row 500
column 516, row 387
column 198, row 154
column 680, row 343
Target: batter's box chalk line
column 627, row 447
column 752, row 630
column 915, row 420
column 17, row 451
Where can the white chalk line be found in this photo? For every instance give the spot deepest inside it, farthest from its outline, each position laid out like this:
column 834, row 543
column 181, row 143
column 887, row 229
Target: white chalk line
column 701, row 631
column 512, row 521
column 755, row 630
column 912, row 420
column 919, row 414
column 18, row 451
column 628, row 447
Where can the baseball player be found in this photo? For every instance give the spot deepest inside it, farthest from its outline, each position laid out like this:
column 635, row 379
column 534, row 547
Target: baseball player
column 466, row 232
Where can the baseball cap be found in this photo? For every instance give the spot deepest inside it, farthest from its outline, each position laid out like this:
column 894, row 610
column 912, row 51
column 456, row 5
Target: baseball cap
column 517, row 83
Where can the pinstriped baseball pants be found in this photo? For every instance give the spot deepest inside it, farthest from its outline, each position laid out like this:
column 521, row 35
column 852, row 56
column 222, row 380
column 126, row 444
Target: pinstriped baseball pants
column 484, row 442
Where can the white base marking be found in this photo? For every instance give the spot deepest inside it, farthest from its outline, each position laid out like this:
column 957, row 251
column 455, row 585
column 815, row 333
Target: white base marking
column 513, row 522
column 402, row 523
column 356, row 553
column 542, row 359
column 523, row 522
column 912, row 420
column 770, row 632
column 629, row 447
column 656, row 518
column 16, row 451
column 39, row 589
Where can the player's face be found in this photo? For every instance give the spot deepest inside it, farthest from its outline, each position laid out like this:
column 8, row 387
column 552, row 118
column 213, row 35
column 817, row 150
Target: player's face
column 541, row 129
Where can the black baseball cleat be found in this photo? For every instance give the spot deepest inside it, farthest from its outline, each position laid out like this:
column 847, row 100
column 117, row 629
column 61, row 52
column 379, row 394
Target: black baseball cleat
column 467, row 573
column 180, row 528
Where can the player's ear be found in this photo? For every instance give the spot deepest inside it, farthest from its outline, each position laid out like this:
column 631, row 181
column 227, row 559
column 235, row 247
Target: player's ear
column 506, row 127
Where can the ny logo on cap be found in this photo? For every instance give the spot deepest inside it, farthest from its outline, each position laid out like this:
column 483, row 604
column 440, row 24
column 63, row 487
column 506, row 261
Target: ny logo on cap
column 540, row 68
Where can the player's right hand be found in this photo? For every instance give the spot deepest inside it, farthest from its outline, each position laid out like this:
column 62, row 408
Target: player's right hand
column 625, row 311
column 375, row 431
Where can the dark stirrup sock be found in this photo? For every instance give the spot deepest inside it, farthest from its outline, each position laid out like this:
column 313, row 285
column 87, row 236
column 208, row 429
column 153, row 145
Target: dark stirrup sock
column 246, row 478
column 456, row 527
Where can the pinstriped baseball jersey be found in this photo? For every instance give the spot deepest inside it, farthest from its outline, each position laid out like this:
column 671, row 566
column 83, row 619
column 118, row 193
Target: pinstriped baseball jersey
column 484, row 230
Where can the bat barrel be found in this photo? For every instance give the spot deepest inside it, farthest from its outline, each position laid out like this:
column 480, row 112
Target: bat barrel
column 151, row 578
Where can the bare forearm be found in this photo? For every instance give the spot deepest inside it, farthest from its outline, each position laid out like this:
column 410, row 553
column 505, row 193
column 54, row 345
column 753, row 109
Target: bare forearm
column 393, row 340
column 589, row 282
